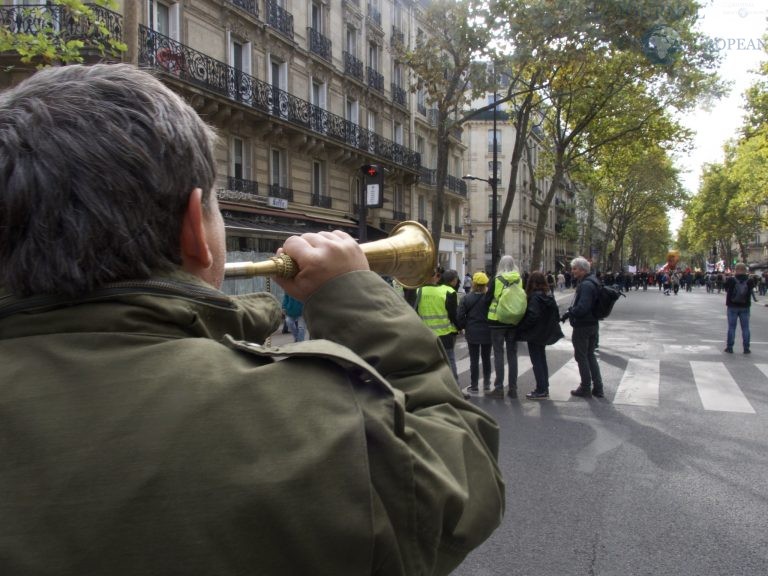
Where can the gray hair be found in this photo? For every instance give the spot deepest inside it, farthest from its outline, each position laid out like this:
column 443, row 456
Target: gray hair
column 581, row 264
column 96, row 167
column 506, row 264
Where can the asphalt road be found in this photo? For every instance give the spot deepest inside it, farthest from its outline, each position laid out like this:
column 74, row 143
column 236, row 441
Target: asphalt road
column 667, row 475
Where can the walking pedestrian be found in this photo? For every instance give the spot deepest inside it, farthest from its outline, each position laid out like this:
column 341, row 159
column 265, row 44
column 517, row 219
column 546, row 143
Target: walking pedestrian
column 293, row 311
column 585, row 330
column 739, row 293
column 503, row 335
column 540, row 328
column 473, row 319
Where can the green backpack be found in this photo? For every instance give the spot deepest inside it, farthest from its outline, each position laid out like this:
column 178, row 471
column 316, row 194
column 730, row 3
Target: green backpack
column 512, row 302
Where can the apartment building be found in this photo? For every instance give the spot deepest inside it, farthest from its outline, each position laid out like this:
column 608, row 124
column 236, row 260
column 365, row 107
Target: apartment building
column 532, row 186
column 303, row 93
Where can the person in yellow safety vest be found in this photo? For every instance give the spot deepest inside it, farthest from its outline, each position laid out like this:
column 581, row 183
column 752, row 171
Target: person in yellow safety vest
column 501, row 333
column 437, row 304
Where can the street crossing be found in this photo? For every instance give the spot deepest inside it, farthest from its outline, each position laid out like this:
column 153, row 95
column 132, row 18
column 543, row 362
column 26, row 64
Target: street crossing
column 639, row 382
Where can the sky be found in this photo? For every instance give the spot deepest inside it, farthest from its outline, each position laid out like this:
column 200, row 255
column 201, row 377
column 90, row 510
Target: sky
column 736, row 26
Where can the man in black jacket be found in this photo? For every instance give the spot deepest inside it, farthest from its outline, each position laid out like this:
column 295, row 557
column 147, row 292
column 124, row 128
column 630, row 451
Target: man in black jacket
column 738, row 302
column 585, row 329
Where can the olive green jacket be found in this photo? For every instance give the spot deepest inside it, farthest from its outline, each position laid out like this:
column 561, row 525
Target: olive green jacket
column 143, row 432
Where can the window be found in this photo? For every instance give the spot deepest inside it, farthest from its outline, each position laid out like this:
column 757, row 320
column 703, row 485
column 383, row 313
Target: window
column 398, row 199
column 397, row 15
column 352, row 41
column 490, row 141
column 397, row 74
column 318, row 185
column 494, row 98
column 372, row 121
column 351, row 110
column 163, row 17
column 278, row 78
column 373, row 56
column 498, row 171
column 240, row 60
column 317, row 17
column 238, row 166
column 397, row 132
column 277, row 174
column 318, row 93
column 420, row 146
column 422, row 206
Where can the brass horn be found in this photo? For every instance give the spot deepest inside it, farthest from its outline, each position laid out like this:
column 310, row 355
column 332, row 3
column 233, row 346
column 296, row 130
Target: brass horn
column 408, row 254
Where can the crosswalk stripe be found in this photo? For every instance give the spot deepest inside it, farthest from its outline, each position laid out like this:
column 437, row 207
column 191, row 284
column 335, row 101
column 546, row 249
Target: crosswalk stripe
column 640, row 384
column 763, row 368
column 563, row 381
column 717, row 388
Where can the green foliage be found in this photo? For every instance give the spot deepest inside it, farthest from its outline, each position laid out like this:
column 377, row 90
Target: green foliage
column 45, row 44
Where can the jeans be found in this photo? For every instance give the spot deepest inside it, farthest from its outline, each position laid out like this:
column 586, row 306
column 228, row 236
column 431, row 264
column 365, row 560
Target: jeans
column 449, row 343
column 476, row 353
column 584, row 339
column 538, row 355
column 742, row 314
column 297, row 327
column 500, row 336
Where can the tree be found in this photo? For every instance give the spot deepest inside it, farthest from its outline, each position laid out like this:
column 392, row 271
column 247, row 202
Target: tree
column 442, row 65
column 600, row 87
column 58, row 32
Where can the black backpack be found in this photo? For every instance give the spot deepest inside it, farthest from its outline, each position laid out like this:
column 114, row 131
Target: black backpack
column 606, row 298
column 740, row 294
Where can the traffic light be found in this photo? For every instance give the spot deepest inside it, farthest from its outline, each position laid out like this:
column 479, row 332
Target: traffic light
column 373, row 180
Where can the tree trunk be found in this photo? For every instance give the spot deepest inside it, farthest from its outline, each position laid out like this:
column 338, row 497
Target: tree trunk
column 438, row 212
column 543, row 209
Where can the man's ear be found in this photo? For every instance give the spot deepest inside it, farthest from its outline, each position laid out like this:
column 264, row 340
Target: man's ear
column 195, row 253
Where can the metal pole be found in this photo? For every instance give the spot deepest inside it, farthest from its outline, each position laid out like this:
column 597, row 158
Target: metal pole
column 362, row 234
column 494, row 183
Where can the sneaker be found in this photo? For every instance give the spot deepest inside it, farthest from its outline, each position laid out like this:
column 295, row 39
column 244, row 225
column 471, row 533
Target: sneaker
column 495, row 393
column 487, row 388
column 466, row 396
column 581, row 392
column 729, row 350
column 512, row 393
column 598, row 393
column 472, row 389
column 747, row 351
column 536, row 395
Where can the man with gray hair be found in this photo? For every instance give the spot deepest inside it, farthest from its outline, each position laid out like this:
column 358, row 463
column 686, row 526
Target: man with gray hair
column 585, row 329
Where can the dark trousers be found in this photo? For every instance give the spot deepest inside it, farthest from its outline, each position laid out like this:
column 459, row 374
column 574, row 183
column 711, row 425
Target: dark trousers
column 538, row 355
column 478, row 352
column 584, row 339
column 500, row 337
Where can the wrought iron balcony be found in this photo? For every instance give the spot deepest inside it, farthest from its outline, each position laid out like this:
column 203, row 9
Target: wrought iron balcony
column 456, row 185
column 249, row 6
column 458, row 230
column 279, row 18
column 428, row 176
column 242, row 185
column 319, row 44
column 277, row 191
column 161, row 53
column 321, row 201
column 398, row 37
column 375, row 80
column 399, row 215
column 398, row 95
column 353, row 67
column 61, row 23
column 374, row 15
column 424, row 222
column 447, row 228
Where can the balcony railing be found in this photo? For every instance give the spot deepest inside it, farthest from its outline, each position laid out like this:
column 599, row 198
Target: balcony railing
column 375, row 79
column 447, row 228
column 279, row 18
column 321, row 201
column 353, row 67
column 59, row 22
column 428, row 176
column 250, row 6
column 398, row 95
column 398, row 37
column 399, row 215
column 277, row 191
column 422, row 108
column 319, row 44
column 424, row 222
column 242, row 185
column 458, row 230
column 162, row 53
